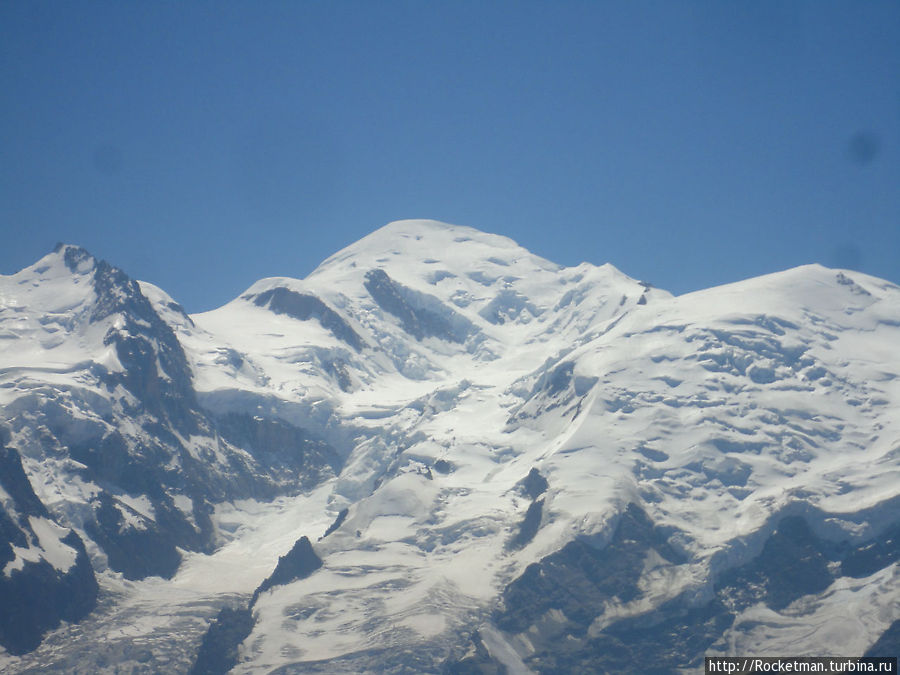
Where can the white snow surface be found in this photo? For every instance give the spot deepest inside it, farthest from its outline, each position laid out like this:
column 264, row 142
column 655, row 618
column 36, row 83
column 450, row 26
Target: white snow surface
column 45, row 333
column 714, row 411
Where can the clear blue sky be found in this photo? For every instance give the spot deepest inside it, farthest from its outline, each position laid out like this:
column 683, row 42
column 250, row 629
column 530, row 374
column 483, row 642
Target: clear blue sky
column 204, row 145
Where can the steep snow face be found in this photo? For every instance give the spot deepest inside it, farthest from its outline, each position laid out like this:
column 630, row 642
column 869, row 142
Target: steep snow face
column 502, row 431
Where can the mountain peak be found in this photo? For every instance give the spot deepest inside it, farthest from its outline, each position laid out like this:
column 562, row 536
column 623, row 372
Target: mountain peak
column 63, row 262
column 428, row 243
column 76, row 259
column 423, row 227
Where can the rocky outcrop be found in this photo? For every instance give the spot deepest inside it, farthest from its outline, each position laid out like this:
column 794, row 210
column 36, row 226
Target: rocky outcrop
column 219, row 650
column 45, row 574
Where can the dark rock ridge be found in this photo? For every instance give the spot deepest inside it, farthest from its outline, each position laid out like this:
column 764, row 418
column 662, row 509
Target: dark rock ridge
column 534, row 484
column 303, row 306
column 218, row 651
column 420, row 315
column 155, row 366
column 35, row 597
column 530, row 524
column 298, row 563
column 557, row 386
column 341, row 517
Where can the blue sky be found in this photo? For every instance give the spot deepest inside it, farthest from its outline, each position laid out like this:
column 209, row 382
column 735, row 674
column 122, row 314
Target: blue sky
column 204, row 145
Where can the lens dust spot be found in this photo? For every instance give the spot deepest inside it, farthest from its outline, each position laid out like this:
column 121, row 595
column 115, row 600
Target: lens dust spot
column 863, row 147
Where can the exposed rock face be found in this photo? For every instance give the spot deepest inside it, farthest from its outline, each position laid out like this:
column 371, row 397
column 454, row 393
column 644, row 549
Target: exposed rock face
column 303, row 306
column 298, row 563
column 341, row 517
column 420, row 315
column 792, row 564
column 529, row 525
column 155, row 369
column 219, row 650
column 135, row 546
column 289, row 456
column 45, row 574
column 565, row 607
column 534, row 484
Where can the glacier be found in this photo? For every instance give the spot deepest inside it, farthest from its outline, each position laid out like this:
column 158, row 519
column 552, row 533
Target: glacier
column 500, row 463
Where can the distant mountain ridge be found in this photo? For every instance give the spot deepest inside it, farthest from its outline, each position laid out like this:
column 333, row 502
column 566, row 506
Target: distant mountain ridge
column 520, row 467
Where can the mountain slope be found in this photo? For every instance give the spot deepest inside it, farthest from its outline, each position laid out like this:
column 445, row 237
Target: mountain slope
column 98, row 400
column 500, row 462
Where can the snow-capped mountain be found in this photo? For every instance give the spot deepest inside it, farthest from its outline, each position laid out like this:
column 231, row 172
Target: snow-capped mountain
column 442, row 453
